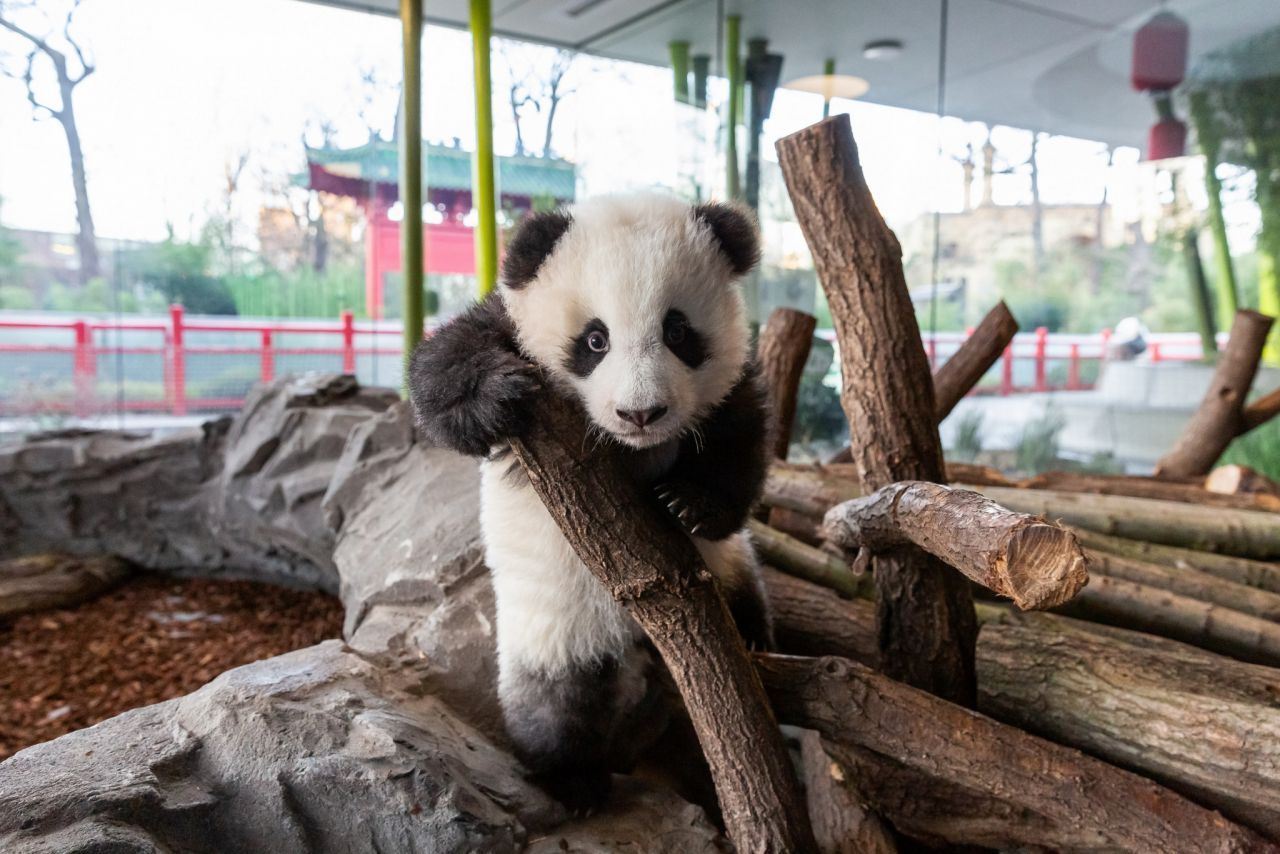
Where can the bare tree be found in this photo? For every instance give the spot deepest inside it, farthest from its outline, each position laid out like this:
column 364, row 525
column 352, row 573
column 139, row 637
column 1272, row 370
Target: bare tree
column 54, row 46
column 533, row 88
column 554, row 93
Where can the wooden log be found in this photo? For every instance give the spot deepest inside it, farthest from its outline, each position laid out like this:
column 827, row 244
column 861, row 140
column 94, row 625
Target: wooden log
column 927, row 624
column 803, row 528
column 1260, row 411
column 1240, row 481
column 968, row 473
column 948, row 775
column 809, row 563
column 1201, row 724
column 1145, row 487
column 1244, row 533
column 1127, row 604
column 647, row 563
column 959, row 374
column 1252, row 573
column 43, row 581
column 1033, row 562
column 841, row 822
column 810, row 490
column 1219, row 418
column 813, row 620
column 1189, row 582
column 782, row 352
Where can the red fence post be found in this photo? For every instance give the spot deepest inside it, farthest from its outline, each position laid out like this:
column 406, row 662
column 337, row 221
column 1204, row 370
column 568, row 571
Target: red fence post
column 1006, row 375
column 268, row 370
column 1042, row 342
column 1156, row 355
column 348, row 343
column 82, row 368
column 178, row 359
column 1073, row 369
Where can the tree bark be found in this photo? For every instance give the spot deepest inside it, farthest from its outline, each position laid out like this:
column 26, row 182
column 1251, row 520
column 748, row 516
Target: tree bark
column 646, row 563
column 1201, row 724
column 1189, row 582
column 970, row 474
column 783, row 350
column 1130, row 605
column 1260, row 411
column 1033, row 562
column 1143, row 487
column 1198, row 722
column 809, row 563
column 841, row 822
column 1219, row 418
column 926, row 621
column 959, row 374
column 86, row 233
column 945, row 774
column 56, row 581
column 1240, row 481
column 1244, row 533
column 1252, row 573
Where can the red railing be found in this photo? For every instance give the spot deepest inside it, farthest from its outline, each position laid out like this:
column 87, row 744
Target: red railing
column 1035, row 362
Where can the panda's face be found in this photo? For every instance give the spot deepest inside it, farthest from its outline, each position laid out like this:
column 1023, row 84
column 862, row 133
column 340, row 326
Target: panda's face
column 634, row 306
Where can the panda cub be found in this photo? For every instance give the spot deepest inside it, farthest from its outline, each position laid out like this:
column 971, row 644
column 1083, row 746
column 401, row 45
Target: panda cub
column 631, row 303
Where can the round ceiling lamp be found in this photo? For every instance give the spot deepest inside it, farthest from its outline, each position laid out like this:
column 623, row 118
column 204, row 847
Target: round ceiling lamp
column 831, row 85
column 881, row 50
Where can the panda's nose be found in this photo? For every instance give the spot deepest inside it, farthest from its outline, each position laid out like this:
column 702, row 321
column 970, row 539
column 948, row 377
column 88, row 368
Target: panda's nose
column 641, row 417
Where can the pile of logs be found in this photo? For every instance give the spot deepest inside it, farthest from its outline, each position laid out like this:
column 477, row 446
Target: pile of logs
column 1140, row 713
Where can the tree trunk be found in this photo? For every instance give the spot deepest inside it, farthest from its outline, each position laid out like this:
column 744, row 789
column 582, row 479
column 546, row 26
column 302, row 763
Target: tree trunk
column 1143, row 487
column 1130, row 605
column 927, row 625
column 1245, row 533
column 945, row 774
column 1201, row 724
column 646, row 562
column 1218, row 420
column 1035, row 563
column 954, row 379
column 86, row 236
column 1189, row 582
column 783, row 350
column 1253, row 573
column 56, row 581
column 841, row 822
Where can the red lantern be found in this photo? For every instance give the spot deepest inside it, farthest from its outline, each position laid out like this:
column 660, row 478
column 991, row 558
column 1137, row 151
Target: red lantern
column 1168, row 138
column 1160, row 53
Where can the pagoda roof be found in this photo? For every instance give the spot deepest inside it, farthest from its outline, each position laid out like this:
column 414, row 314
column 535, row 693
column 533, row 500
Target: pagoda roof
column 350, row 171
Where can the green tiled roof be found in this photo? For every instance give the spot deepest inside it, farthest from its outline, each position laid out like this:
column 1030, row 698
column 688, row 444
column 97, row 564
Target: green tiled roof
column 449, row 168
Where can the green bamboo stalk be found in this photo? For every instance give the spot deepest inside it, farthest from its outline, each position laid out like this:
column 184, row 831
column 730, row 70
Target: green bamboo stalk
column 483, row 195
column 1210, row 139
column 733, row 67
column 829, row 71
column 1201, row 302
column 411, row 174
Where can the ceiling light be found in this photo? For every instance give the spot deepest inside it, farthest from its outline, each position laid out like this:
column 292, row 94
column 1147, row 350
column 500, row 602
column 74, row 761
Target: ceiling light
column 831, row 85
column 882, row 49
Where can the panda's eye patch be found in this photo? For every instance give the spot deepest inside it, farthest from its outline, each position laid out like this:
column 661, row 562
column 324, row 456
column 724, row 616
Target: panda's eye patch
column 682, row 339
column 588, row 349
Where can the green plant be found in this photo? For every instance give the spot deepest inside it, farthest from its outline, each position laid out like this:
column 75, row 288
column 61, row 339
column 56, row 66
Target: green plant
column 1037, row 450
column 819, row 417
column 968, row 436
column 1259, row 449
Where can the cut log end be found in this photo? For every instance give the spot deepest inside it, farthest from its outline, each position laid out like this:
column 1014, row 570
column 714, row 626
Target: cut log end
column 1042, row 567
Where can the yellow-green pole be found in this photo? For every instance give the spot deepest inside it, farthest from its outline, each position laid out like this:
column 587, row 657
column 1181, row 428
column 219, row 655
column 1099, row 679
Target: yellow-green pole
column 483, row 196
column 733, row 69
column 680, row 69
column 411, row 174
column 828, row 71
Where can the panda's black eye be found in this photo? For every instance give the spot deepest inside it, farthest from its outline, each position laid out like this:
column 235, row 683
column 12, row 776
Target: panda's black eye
column 597, row 342
column 675, row 332
column 682, row 339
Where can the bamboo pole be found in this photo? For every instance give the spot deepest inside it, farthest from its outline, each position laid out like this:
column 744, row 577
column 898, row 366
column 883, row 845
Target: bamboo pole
column 679, row 51
column 411, row 175
column 733, row 69
column 484, row 197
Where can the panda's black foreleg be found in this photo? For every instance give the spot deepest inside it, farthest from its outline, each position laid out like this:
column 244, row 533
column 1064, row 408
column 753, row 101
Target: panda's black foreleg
column 469, row 382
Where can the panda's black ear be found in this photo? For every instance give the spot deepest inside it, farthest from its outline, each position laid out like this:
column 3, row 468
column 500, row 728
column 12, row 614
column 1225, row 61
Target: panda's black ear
column 532, row 243
column 735, row 232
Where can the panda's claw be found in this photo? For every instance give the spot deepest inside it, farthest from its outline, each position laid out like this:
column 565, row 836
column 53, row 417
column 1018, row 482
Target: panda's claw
column 696, row 529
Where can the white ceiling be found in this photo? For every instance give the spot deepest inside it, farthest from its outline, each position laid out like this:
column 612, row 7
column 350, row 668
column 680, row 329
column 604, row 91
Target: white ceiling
column 1055, row 65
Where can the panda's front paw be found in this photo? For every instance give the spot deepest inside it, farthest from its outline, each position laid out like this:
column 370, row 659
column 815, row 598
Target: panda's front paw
column 697, row 513
column 492, row 403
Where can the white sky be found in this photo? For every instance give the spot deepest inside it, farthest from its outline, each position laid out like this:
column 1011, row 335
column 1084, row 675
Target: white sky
column 185, row 86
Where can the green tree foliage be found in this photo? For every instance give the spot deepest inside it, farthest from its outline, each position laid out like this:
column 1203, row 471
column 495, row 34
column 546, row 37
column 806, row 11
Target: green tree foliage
column 180, row 273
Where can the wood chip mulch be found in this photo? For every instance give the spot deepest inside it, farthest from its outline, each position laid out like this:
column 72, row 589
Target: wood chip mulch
column 149, row 640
